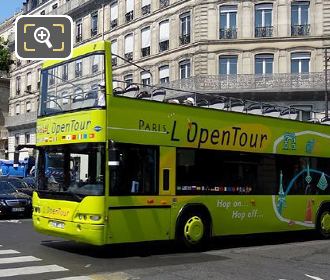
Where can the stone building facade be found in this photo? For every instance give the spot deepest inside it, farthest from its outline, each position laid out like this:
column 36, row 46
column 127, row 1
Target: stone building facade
column 239, row 48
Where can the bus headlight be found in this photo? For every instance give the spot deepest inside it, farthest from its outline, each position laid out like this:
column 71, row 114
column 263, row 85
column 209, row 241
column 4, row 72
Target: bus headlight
column 95, row 217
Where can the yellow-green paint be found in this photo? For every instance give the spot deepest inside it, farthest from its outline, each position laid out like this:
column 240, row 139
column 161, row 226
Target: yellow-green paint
column 69, row 128
column 123, row 218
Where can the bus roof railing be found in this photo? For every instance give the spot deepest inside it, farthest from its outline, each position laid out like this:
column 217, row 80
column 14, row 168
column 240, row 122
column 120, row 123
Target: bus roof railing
column 217, row 101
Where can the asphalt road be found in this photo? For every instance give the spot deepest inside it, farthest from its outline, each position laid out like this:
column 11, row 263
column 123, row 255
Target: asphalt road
column 25, row 254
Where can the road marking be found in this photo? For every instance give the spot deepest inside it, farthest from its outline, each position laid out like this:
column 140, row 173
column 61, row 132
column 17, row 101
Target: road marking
column 5, row 252
column 30, row 270
column 75, row 278
column 11, row 221
column 19, row 259
column 314, row 277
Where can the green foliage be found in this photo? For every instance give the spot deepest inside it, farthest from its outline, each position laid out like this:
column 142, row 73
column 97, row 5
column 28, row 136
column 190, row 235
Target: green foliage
column 5, row 56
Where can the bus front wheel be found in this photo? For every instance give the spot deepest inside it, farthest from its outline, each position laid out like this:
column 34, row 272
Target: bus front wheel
column 324, row 223
column 194, row 230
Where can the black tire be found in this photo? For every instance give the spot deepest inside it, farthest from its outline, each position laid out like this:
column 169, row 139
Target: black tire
column 193, row 231
column 323, row 223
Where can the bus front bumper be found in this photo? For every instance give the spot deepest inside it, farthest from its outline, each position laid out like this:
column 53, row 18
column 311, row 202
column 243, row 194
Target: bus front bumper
column 81, row 232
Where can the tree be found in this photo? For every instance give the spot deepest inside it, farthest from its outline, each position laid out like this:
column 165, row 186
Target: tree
column 5, row 56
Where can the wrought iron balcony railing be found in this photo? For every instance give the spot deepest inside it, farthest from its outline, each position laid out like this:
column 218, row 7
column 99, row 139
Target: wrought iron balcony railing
column 185, row 39
column 145, row 51
column 78, row 38
column 164, row 3
column 264, row 31
column 164, row 46
column 249, row 83
column 129, row 16
column 300, row 30
column 145, row 9
column 114, row 23
column 129, row 56
column 228, row 33
column 93, row 32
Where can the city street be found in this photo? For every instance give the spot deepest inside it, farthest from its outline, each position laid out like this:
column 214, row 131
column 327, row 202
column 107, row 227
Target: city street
column 25, row 254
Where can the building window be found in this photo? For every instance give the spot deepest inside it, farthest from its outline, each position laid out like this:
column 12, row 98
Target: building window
column 18, row 85
column 185, row 28
column 263, row 20
column 300, row 62
column 113, row 15
column 129, row 10
column 145, row 78
column 38, row 78
column 146, row 7
column 28, row 106
column 228, row 65
column 95, row 63
column 128, row 79
column 78, row 69
column 163, row 3
column 145, row 42
column 184, row 67
column 29, row 82
column 164, row 36
column 228, row 25
column 300, row 19
column 264, row 64
column 94, row 23
column 114, row 51
column 129, row 47
column 65, row 72
column 164, row 74
column 17, row 109
column 27, row 138
column 78, row 30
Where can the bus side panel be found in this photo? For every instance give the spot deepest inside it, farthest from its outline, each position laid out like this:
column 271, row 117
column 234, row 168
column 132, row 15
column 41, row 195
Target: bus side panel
column 245, row 214
column 139, row 218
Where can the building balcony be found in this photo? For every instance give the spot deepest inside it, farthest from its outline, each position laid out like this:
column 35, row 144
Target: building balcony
column 145, row 51
column 113, row 23
column 184, row 39
column 164, row 46
column 129, row 16
column 269, row 83
column 228, row 33
column 129, row 56
column 300, row 30
column 263, row 31
column 93, row 32
column 27, row 120
column 70, row 7
column 78, row 38
column 145, row 10
column 164, row 3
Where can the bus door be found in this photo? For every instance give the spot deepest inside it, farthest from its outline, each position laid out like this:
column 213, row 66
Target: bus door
column 141, row 182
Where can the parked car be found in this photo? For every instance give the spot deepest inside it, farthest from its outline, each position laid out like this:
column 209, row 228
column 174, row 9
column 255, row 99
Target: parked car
column 12, row 202
column 31, row 181
column 18, row 184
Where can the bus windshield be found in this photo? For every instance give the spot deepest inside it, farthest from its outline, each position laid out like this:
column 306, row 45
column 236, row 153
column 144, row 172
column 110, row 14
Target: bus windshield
column 78, row 170
column 73, row 85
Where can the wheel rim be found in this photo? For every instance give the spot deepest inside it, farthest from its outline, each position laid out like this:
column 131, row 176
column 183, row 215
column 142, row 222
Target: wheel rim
column 194, row 230
column 325, row 222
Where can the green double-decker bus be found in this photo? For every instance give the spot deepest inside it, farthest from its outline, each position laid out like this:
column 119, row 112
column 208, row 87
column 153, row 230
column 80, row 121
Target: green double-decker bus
column 129, row 169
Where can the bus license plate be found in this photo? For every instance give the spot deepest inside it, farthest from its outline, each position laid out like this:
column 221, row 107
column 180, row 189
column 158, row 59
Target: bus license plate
column 18, row 209
column 56, row 224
